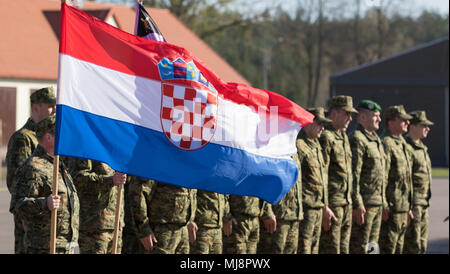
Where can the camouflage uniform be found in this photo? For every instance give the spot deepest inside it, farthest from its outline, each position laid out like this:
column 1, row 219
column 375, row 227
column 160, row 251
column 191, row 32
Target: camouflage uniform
column 314, row 193
column 137, row 226
column 34, row 185
column 211, row 210
column 245, row 234
column 398, row 189
column 20, row 146
column 417, row 232
column 98, row 199
column 288, row 212
column 338, row 159
column 163, row 210
column 369, row 184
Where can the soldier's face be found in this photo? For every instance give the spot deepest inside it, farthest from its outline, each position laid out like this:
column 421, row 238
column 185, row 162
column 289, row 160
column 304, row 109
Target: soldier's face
column 373, row 120
column 398, row 125
column 419, row 131
column 341, row 118
column 43, row 110
column 317, row 129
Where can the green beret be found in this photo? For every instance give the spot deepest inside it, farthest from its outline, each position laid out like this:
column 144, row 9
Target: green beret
column 44, row 95
column 420, row 117
column 319, row 115
column 46, row 125
column 370, row 105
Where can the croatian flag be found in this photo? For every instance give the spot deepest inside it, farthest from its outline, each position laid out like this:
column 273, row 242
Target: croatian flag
column 152, row 109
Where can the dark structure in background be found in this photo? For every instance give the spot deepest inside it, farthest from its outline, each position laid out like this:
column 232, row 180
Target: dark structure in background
column 416, row 78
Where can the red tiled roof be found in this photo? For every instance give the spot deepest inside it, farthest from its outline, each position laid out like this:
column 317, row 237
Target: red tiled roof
column 29, row 44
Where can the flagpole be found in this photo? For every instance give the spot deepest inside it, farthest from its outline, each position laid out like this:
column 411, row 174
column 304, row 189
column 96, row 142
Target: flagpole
column 116, row 221
column 54, row 211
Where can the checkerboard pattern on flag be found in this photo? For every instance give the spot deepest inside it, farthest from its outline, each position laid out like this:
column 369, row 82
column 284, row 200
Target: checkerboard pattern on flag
column 188, row 115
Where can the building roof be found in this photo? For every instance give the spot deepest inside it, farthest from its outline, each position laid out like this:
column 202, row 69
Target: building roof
column 426, row 64
column 30, row 29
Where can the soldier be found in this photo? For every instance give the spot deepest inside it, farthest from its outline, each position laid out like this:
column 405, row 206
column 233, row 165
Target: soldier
column 33, row 201
column 22, row 144
column 417, row 232
column 369, row 180
column 206, row 230
column 241, row 228
column 314, row 184
column 338, row 160
column 161, row 213
column 279, row 232
column 137, row 226
column 95, row 183
column 399, row 181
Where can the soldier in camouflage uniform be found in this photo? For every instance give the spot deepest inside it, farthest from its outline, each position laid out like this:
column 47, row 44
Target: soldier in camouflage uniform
column 22, row 144
column 369, row 180
column 399, row 182
column 96, row 185
column 417, row 232
column 33, row 200
column 338, row 159
column 206, row 230
column 280, row 222
column 161, row 213
column 314, row 184
column 241, row 228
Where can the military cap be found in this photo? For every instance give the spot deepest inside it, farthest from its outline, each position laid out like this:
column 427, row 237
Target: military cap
column 46, row 125
column 343, row 102
column 369, row 104
column 420, row 117
column 43, row 95
column 396, row 111
column 319, row 115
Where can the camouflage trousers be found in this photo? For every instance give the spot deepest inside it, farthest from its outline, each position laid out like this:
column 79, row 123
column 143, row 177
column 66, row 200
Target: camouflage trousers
column 392, row 233
column 309, row 231
column 337, row 239
column 171, row 239
column 283, row 241
column 417, row 232
column 19, row 236
column 131, row 244
column 99, row 242
column 244, row 237
column 208, row 241
column 46, row 251
column 369, row 232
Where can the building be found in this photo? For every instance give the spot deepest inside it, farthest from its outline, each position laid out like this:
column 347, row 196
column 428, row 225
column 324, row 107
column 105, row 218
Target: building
column 29, row 50
column 416, row 78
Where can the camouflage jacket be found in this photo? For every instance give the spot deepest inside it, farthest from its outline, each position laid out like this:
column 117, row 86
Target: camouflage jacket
column 20, row 146
column 137, row 198
column 159, row 203
column 369, row 180
column 212, row 209
column 243, row 207
column 34, row 185
column 421, row 172
column 97, row 194
column 313, row 171
column 337, row 156
column 290, row 207
column 398, row 172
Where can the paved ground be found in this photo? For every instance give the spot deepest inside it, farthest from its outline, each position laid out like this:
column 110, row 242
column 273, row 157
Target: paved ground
column 438, row 235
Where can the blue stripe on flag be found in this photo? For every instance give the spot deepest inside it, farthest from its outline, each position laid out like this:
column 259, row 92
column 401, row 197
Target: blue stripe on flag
column 143, row 152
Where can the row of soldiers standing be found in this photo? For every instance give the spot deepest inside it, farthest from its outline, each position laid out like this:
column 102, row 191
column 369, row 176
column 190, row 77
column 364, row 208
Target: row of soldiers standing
column 350, row 192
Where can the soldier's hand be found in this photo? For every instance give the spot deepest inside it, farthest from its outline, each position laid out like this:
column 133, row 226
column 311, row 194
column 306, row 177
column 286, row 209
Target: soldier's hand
column 148, row 241
column 228, row 227
column 386, row 214
column 53, row 202
column 410, row 217
column 270, row 224
column 358, row 215
column 328, row 217
column 119, row 178
column 192, row 230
